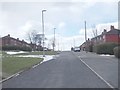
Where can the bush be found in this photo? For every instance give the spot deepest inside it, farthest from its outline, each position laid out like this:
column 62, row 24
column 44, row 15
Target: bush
column 24, row 48
column 105, row 48
column 117, row 52
column 90, row 48
column 8, row 47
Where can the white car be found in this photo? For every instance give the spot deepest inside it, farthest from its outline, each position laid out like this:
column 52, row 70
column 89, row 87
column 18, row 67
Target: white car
column 77, row 49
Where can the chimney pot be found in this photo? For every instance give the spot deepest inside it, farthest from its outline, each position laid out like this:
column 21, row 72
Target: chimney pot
column 105, row 30
column 9, row 35
column 112, row 27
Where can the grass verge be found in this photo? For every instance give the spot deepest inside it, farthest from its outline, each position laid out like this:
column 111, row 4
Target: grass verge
column 39, row 53
column 12, row 65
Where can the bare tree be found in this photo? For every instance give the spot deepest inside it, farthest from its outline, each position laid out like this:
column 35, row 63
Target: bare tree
column 39, row 38
column 31, row 36
column 35, row 38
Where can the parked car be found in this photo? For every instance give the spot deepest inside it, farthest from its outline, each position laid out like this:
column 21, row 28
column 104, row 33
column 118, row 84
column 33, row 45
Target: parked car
column 77, row 49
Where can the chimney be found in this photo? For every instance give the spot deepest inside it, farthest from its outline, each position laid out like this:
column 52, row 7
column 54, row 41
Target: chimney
column 112, row 27
column 22, row 40
column 88, row 39
column 8, row 35
column 105, row 30
column 17, row 38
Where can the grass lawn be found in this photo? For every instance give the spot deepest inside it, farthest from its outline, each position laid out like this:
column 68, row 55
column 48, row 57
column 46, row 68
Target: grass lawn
column 39, row 53
column 11, row 65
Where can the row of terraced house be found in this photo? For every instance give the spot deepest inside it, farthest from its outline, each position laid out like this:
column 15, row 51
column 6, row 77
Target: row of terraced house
column 113, row 35
column 10, row 41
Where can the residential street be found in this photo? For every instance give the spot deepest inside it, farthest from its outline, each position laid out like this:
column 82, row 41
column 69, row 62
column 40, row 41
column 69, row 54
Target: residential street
column 69, row 71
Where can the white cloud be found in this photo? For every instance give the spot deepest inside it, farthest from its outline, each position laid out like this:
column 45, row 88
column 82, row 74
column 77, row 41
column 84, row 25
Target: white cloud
column 27, row 26
column 61, row 25
column 59, row 0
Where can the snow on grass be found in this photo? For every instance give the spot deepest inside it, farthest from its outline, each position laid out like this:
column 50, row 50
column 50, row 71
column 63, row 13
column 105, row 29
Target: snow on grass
column 106, row 55
column 46, row 58
column 13, row 52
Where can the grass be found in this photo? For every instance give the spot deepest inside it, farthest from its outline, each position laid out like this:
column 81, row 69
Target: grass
column 39, row 53
column 12, row 65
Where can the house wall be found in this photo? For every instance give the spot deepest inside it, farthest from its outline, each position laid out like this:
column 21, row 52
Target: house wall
column 112, row 38
column 0, row 42
column 7, row 40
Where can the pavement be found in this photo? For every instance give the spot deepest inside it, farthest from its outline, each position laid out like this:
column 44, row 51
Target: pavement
column 68, row 71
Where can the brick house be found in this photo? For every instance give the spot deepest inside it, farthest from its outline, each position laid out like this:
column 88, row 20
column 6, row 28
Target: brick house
column 111, row 36
column 10, row 41
column 7, row 40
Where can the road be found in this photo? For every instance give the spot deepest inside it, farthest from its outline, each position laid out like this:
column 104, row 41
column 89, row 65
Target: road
column 66, row 71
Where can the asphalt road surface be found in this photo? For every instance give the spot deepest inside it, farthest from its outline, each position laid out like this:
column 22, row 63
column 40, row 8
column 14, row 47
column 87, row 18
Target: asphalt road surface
column 66, row 71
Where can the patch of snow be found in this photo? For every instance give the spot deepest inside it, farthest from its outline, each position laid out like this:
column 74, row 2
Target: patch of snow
column 46, row 58
column 33, row 56
column 12, row 52
column 105, row 55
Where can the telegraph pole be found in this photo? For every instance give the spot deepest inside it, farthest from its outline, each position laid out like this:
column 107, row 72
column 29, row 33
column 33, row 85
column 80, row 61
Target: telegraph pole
column 54, row 40
column 85, row 37
column 58, row 42
column 43, row 31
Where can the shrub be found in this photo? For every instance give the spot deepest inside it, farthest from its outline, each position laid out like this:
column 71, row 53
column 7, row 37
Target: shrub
column 105, row 48
column 8, row 47
column 24, row 48
column 117, row 52
column 90, row 48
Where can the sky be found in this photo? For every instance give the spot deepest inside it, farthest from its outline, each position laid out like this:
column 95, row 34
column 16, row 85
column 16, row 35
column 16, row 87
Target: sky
column 18, row 17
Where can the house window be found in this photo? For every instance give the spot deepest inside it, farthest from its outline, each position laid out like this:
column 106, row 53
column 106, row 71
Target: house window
column 104, row 38
column 15, row 43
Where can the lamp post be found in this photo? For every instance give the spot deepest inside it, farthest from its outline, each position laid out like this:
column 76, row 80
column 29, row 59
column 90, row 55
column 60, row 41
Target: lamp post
column 54, row 40
column 85, row 38
column 43, row 31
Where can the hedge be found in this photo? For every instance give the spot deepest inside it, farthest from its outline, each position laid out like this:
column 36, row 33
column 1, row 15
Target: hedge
column 23, row 48
column 117, row 52
column 105, row 48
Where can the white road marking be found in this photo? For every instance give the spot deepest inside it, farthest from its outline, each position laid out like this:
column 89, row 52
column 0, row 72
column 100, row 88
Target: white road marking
column 97, row 74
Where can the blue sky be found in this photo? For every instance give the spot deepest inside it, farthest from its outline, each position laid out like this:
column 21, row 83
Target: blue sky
column 18, row 18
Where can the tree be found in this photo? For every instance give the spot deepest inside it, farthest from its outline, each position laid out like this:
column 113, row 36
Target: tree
column 35, row 38
column 39, row 38
column 31, row 36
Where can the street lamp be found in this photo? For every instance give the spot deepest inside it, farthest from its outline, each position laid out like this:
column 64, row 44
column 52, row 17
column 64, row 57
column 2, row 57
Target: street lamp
column 54, row 40
column 85, row 38
column 43, row 30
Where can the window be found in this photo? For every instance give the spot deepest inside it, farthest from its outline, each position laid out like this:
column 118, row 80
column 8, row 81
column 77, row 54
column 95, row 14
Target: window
column 104, row 38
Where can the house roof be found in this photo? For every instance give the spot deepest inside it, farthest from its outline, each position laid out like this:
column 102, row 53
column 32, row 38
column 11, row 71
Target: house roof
column 15, row 39
column 114, row 31
column 96, row 37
